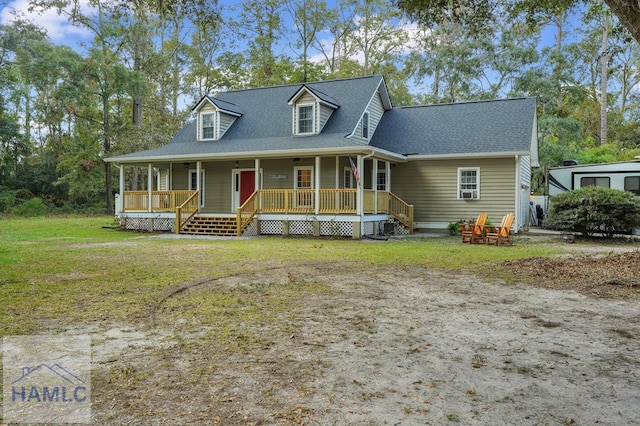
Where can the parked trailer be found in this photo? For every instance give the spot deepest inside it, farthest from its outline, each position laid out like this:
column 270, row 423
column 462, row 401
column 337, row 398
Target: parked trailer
column 624, row 175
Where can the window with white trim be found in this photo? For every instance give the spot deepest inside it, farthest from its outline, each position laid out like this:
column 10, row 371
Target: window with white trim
column 207, row 125
column 381, row 180
column 303, row 181
column 193, row 183
column 469, row 183
column 365, row 126
column 305, row 119
column 349, row 181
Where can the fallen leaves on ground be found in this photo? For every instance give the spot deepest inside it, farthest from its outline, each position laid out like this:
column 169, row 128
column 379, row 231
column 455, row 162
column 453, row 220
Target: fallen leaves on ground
column 616, row 275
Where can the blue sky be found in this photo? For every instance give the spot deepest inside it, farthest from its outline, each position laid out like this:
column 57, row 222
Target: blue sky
column 61, row 32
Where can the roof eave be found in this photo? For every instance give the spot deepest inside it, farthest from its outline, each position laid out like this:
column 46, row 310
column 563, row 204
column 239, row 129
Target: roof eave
column 463, row 155
column 364, row 149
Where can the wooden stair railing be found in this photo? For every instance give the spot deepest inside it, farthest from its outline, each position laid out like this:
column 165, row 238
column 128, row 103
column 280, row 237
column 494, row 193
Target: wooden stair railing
column 186, row 211
column 401, row 211
column 246, row 212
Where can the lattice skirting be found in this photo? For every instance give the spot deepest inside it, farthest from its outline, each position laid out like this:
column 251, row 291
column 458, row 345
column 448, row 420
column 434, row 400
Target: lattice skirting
column 270, row 227
column 142, row 224
column 338, row 229
column 306, row 227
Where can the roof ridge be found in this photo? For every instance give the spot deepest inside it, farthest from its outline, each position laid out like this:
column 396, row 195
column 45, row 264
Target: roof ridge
column 306, row 83
column 479, row 101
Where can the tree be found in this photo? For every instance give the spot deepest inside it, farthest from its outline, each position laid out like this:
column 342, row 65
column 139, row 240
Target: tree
column 309, row 18
column 261, row 23
column 476, row 14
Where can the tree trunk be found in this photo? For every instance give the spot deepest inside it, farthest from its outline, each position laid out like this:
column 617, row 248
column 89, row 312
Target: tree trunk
column 604, row 71
column 628, row 12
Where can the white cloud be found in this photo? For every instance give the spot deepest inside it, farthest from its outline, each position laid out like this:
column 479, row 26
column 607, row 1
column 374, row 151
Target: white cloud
column 56, row 25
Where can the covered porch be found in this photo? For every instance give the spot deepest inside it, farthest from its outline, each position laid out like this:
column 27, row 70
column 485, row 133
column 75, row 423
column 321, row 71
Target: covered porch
column 304, row 196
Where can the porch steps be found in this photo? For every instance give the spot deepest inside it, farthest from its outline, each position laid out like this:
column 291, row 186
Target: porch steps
column 207, row 225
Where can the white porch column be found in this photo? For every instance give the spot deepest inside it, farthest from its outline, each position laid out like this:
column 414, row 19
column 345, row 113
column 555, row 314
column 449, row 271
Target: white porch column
column 149, row 187
column 374, row 184
column 360, row 192
column 120, row 205
column 199, row 183
column 317, row 184
column 257, row 174
column 387, row 184
column 337, row 172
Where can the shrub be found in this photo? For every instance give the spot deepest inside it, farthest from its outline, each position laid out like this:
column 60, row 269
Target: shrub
column 7, row 200
column 30, row 208
column 595, row 210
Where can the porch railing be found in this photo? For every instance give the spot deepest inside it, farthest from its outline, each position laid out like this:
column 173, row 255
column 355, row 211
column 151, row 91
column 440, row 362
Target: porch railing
column 161, row 201
column 331, row 201
column 246, row 212
column 186, row 210
column 401, row 211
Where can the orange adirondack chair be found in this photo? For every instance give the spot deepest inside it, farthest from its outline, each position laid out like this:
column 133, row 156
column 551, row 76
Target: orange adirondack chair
column 499, row 235
column 474, row 233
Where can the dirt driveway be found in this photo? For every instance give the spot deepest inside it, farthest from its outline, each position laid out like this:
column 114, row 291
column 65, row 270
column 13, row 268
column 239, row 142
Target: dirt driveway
column 399, row 346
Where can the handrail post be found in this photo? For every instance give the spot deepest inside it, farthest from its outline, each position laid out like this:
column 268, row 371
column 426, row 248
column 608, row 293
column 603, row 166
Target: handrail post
column 178, row 209
column 411, row 218
column 239, row 221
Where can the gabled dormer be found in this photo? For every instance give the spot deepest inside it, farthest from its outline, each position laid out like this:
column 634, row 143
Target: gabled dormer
column 371, row 116
column 214, row 117
column 310, row 110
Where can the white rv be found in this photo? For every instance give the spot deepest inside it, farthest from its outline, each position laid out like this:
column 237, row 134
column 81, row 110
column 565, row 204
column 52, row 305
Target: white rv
column 623, row 175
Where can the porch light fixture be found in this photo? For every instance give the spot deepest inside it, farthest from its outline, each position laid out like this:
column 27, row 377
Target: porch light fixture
column 186, row 165
column 237, row 164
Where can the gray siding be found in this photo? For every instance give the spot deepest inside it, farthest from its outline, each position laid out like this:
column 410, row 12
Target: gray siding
column 375, row 110
column 226, row 121
column 525, row 180
column 431, row 186
column 217, row 186
column 325, row 113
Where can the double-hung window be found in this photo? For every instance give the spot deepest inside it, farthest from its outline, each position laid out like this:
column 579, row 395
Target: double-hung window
column 469, row 183
column 208, row 125
column 304, row 185
column 305, row 119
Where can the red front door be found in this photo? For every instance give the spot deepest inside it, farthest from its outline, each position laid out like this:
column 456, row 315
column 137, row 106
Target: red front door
column 247, row 184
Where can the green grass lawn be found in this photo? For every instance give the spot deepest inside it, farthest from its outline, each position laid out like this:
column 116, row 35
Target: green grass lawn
column 206, row 300
column 56, row 272
column 61, row 271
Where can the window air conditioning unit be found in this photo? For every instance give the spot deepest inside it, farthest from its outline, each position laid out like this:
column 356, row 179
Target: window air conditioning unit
column 468, row 195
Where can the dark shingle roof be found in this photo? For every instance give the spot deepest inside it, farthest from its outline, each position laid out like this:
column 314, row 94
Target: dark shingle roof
column 498, row 126
column 460, row 128
column 225, row 106
column 266, row 121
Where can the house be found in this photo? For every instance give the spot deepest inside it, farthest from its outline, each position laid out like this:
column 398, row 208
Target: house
column 623, row 175
column 333, row 158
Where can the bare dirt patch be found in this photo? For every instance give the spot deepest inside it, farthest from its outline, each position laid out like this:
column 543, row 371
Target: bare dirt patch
column 400, row 345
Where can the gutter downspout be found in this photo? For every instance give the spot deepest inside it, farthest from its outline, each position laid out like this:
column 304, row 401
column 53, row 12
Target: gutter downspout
column 518, row 195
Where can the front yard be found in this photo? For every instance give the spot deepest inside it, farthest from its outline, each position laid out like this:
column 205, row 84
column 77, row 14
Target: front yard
column 290, row 331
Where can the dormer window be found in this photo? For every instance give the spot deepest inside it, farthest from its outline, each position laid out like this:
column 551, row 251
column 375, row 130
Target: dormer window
column 208, row 121
column 215, row 117
column 305, row 119
column 311, row 109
